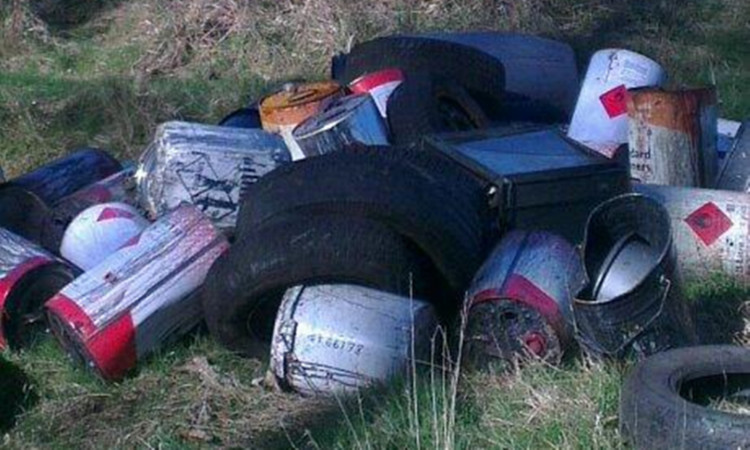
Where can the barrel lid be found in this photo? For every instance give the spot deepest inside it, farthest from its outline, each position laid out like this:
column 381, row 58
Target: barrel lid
column 295, row 103
column 338, row 111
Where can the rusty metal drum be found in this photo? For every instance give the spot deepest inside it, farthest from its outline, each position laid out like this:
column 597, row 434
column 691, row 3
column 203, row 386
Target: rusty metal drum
column 521, row 300
column 347, row 120
column 64, row 176
column 336, row 339
column 29, row 276
column 140, row 297
column 380, row 85
column 633, row 304
column 205, row 165
column 282, row 111
column 672, row 136
column 600, row 117
column 735, row 174
column 119, row 187
column 711, row 230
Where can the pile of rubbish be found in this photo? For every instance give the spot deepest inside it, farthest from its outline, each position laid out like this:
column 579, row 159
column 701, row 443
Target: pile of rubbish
column 351, row 227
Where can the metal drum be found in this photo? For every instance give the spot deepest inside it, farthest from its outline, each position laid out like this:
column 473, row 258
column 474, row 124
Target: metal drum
column 23, row 212
column 140, row 297
column 65, row 175
column 348, row 120
column 672, row 136
column 119, row 187
column 711, row 230
column 99, row 231
column 331, row 339
column 205, row 165
column 283, row 111
column 521, row 300
column 380, row 85
column 29, row 276
column 735, row 175
column 600, row 117
column 633, row 303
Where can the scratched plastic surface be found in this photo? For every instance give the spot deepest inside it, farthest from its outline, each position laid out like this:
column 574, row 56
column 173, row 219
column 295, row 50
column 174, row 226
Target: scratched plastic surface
column 337, row 338
column 207, row 166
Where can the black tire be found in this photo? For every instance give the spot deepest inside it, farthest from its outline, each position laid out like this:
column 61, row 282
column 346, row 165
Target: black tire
column 655, row 411
column 244, row 286
column 23, row 314
column 480, row 74
column 423, row 105
column 22, row 213
column 427, row 199
column 16, row 394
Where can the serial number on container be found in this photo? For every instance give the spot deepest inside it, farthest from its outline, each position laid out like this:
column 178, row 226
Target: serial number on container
column 336, row 344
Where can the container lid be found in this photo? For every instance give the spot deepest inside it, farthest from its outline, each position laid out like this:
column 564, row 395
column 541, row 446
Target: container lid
column 338, row 111
column 295, row 103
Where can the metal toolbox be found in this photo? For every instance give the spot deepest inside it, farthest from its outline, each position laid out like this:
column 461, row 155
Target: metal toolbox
column 537, row 178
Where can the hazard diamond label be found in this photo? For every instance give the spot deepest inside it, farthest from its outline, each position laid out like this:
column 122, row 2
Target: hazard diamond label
column 708, row 223
column 615, row 101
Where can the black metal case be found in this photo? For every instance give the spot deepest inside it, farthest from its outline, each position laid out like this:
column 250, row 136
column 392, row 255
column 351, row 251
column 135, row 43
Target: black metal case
column 539, row 179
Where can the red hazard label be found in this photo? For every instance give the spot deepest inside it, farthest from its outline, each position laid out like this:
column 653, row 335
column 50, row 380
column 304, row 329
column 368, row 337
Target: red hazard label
column 709, row 223
column 615, row 101
column 113, row 213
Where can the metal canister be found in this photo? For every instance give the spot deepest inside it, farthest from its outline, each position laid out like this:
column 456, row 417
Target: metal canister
column 119, row 187
column 23, row 212
column 600, row 117
column 331, row 339
column 521, row 299
column 633, row 303
column 283, row 111
column 29, row 276
column 672, row 136
column 735, row 174
column 205, row 165
column 140, row 297
column 380, row 85
column 347, row 120
column 711, row 230
column 65, row 175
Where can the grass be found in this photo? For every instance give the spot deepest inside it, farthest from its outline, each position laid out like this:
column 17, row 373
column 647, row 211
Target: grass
column 106, row 72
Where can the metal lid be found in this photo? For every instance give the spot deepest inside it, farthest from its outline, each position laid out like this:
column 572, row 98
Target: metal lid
column 338, row 111
column 295, row 103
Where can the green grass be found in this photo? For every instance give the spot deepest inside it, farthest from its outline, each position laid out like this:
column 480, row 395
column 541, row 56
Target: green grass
column 105, row 73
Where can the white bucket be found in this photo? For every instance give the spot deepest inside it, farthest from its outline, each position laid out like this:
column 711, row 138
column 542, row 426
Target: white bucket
column 600, row 119
column 99, row 231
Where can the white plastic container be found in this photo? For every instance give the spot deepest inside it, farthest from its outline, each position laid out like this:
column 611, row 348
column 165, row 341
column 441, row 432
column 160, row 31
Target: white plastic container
column 335, row 339
column 99, row 231
column 600, row 119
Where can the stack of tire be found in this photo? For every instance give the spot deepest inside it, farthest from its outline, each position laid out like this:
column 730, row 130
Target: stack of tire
column 394, row 219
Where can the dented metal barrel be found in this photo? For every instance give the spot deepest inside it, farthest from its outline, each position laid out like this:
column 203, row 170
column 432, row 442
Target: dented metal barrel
column 600, row 117
column 672, row 136
column 23, row 212
column 379, row 85
column 99, row 231
column 735, row 174
column 347, row 120
column 140, row 297
column 521, row 300
column 711, row 230
column 65, row 175
column 205, row 165
column 283, row 111
column 633, row 304
column 335, row 339
column 29, row 276
column 119, row 187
